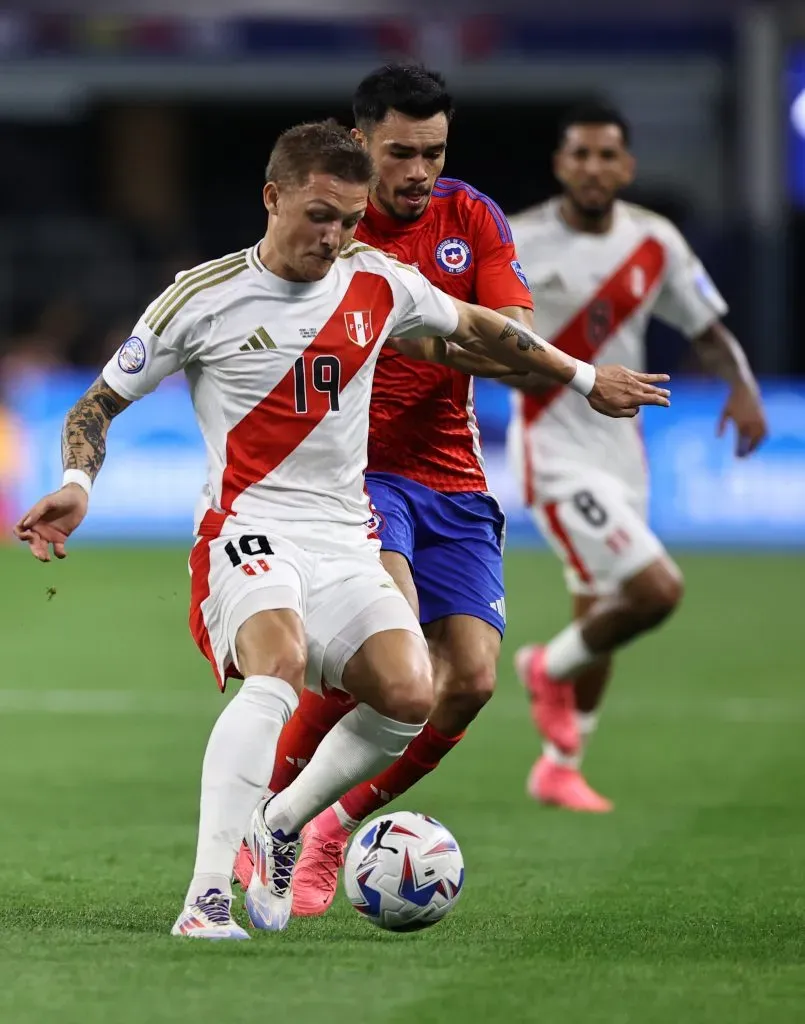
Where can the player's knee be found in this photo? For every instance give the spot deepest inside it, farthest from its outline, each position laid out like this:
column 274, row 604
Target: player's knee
column 406, row 696
column 666, row 594
column 660, row 598
column 464, row 695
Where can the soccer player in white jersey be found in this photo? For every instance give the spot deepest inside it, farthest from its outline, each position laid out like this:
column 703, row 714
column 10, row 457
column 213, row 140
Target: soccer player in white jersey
column 599, row 269
column 278, row 343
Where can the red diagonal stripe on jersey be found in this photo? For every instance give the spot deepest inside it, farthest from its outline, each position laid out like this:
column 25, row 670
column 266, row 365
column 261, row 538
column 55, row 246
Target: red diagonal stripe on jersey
column 273, row 429
column 267, row 435
column 614, row 302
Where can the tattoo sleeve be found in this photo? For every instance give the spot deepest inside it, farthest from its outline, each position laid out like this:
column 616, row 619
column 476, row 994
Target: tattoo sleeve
column 83, row 442
column 527, row 341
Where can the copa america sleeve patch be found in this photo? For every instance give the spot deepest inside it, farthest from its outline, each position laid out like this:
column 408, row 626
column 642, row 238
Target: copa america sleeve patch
column 131, row 357
column 517, row 268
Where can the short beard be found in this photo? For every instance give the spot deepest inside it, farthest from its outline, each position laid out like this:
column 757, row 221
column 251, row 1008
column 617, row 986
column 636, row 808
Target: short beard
column 394, row 213
column 592, row 213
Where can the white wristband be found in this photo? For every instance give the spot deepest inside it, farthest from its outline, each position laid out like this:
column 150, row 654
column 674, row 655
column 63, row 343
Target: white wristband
column 583, row 380
column 77, row 476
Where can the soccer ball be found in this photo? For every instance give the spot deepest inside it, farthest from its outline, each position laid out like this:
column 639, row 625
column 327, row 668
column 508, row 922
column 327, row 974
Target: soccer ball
column 403, row 871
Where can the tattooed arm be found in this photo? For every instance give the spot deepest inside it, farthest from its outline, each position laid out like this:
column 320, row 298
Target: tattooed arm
column 447, row 353
column 611, row 390
column 473, row 363
column 52, row 519
column 83, row 442
column 531, row 382
column 488, row 333
column 479, row 364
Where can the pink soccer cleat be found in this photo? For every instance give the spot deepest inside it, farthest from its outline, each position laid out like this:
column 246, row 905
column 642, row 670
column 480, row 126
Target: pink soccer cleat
column 244, row 866
column 553, row 703
column 315, row 877
column 564, row 787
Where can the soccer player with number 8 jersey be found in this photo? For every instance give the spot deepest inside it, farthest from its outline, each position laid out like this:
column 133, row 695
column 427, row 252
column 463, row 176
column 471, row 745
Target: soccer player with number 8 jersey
column 599, row 269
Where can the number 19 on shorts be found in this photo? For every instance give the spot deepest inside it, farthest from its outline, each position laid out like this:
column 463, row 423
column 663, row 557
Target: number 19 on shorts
column 250, row 545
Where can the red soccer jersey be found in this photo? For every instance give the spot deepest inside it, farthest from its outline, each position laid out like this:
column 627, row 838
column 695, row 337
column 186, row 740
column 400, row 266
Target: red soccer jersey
column 422, row 422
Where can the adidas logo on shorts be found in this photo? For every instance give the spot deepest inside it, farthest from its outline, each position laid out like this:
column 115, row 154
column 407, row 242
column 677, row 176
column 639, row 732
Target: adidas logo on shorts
column 499, row 606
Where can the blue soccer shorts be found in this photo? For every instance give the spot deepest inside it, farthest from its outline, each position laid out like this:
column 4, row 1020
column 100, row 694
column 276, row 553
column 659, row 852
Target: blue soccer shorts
column 453, row 542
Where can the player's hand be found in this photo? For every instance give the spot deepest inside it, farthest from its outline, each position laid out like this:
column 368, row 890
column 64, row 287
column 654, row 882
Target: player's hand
column 52, row 520
column 619, row 392
column 744, row 407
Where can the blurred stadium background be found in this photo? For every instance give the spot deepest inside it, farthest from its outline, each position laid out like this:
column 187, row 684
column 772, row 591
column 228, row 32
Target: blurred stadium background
column 133, row 145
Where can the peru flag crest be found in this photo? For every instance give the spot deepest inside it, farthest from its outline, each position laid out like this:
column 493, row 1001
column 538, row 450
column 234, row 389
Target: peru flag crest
column 359, row 327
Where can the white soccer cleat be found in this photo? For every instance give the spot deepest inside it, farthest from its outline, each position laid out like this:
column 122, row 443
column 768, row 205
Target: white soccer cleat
column 210, row 917
column 269, row 897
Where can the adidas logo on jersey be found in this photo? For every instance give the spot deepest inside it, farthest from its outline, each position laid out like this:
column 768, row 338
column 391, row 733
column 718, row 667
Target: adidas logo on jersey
column 259, row 341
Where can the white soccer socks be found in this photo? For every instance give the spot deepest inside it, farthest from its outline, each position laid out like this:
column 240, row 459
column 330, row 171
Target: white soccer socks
column 567, row 654
column 237, row 767
column 362, row 744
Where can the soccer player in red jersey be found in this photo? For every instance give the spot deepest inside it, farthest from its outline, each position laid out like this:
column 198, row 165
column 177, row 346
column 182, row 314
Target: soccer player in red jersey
column 441, row 530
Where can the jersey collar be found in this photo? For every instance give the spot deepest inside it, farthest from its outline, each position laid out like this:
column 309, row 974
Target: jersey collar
column 557, row 212
column 279, row 286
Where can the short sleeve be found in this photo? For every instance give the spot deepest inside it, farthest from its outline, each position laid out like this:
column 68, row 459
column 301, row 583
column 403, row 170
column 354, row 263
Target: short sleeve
column 688, row 299
column 499, row 279
column 425, row 311
column 154, row 351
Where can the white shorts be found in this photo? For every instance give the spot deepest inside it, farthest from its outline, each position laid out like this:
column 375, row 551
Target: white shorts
column 343, row 598
column 598, row 528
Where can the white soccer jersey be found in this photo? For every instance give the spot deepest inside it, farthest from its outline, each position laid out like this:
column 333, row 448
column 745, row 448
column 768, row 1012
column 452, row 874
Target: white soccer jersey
column 593, row 298
column 280, row 375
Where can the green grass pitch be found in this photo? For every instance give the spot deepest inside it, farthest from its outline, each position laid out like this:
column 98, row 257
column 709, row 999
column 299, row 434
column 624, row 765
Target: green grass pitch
column 685, row 905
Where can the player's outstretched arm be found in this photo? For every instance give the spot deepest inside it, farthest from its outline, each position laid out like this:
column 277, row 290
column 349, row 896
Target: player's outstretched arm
column 530, row 382
column 721, row 354
column 612, row 390
column 447, row 353
column 478, row 365
column 54, row 517
column 474, row 364
column 83, row 441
